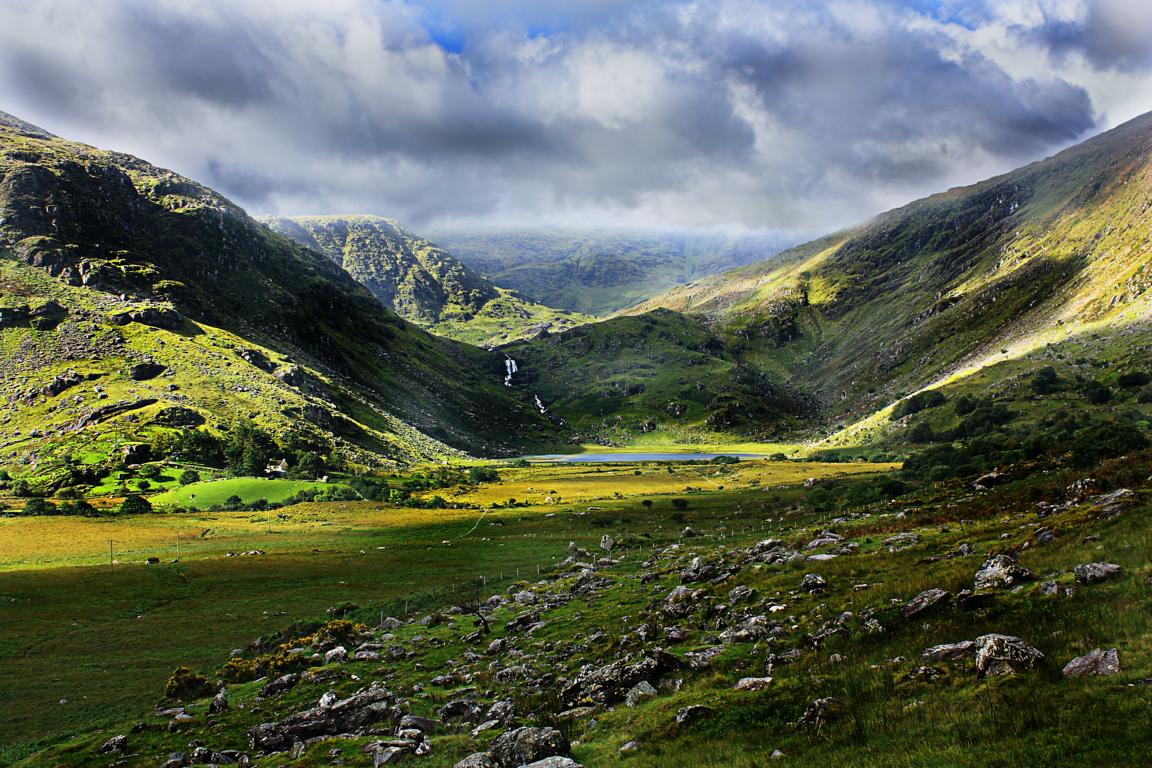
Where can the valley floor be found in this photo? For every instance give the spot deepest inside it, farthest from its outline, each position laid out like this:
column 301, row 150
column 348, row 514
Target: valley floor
column 722, row 605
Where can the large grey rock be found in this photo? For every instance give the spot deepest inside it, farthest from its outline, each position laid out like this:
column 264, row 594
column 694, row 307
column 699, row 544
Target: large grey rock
column 1001, row 571
column 692, row 713
column 554, row 762
column 1112, row 504
column 924, row 601
column 639, row 693
column 116, row 745
column 753, row 684
column 814, row 583
column 1089, row 573
column 1004, row 655
column 477, row 760
column 528, row 744
column 1098, row 663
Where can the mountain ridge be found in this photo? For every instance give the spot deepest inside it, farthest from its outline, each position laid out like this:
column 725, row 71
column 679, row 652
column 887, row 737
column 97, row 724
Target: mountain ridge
column 422, row 282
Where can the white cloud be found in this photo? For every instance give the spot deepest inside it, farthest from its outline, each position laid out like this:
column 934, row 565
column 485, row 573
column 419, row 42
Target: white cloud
column 784, row 114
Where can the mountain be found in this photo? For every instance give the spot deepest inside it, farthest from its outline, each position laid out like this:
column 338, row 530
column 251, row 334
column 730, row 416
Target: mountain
column 423, row 283
column 949, row 283
column 135, row 302
column 598, row 271
column 1007, row 276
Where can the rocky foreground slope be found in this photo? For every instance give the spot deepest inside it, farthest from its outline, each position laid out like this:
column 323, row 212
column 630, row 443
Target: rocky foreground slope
column 1003, row 622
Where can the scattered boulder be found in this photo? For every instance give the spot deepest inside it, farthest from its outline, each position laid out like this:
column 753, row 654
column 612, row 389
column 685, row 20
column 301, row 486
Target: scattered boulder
column 337, row 655
column 156, row 317
column 1001, row 571
column 178, row 416
column 477, row 760
column 813, row 583
column 1090, row 573
column 115, row 745
column 1111, row 504
column 1096, row 663
column 753, row 684
column 639, row 693
column 256, row 358
column 612, row 682
column 219, row 702
column 998, row 655
column 528, row 744
column 820, row 712
column 949, row 651
column 292, row 375
column 279, row 685
column 924, row 601
column 692, row 713
column 556, row 761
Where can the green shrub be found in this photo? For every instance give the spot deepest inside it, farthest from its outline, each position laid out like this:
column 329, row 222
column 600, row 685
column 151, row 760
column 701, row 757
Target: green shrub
column 921, row 401
column 38, row 505
column 1045, row 381
column 135, row 504
column 186, row 685
column 1133, row 379
column 189, row 476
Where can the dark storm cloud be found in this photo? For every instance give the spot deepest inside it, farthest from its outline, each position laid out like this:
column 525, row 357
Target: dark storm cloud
column 793, row 115
column 1112, row 34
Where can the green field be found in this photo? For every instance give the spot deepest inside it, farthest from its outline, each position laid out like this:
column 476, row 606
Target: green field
column 249, row 489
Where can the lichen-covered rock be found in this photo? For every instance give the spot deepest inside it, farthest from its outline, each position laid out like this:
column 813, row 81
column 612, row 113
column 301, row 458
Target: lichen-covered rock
column 1096, row 663
column 820, row 712
column 528, row 744
column 927, row 599
column 998, row 655
column 813, row 583
column 1090, row 573
column 949, row 651
column 1001, row 571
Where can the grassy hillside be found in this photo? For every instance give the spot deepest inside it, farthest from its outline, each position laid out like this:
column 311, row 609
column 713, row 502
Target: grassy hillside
column 663, row 373
column 135, row 303
column 864, row 317
column 422, row 282
column 601, row 271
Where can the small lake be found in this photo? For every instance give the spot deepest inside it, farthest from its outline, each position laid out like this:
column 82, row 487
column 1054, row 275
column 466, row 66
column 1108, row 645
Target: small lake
column 583, row 458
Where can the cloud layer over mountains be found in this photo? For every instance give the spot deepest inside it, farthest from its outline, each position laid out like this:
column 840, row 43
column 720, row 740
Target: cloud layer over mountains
column 791, row 115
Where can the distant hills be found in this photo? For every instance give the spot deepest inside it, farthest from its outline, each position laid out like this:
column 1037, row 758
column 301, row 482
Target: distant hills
column 422, row 282
column 600, row 271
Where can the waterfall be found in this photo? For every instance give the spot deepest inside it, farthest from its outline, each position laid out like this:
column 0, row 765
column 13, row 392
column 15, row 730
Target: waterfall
column 540, row 404
column 509, row 369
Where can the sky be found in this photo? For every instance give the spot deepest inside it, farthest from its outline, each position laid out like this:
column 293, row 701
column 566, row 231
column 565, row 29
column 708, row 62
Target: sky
column 796, row 117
